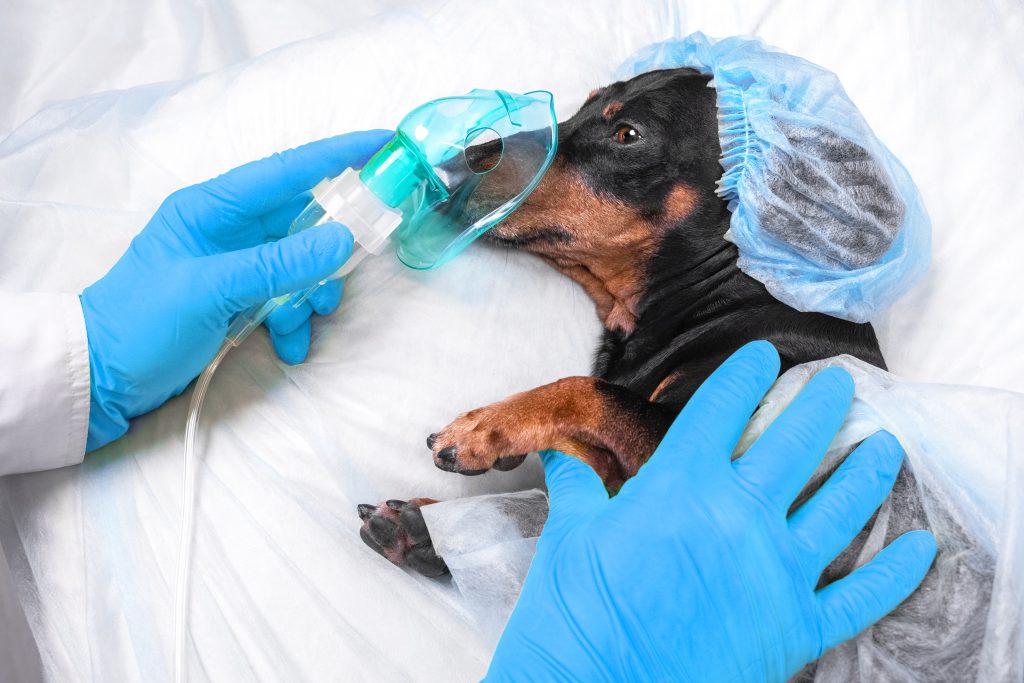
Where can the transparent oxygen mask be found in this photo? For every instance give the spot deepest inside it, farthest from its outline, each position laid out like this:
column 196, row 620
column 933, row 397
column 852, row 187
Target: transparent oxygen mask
column 455, row 167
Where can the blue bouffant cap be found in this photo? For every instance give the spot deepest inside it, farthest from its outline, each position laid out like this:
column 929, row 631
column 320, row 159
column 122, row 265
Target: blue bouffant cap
column 822, row 212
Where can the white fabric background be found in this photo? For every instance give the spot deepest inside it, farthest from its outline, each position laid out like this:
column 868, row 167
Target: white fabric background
column 284, row 589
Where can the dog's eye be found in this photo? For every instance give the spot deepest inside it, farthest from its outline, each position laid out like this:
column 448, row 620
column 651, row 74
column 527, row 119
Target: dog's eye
column 626, row 135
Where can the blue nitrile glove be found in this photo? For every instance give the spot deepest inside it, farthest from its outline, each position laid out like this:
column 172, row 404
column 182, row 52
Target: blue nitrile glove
column 693, row 572
column 211, row 251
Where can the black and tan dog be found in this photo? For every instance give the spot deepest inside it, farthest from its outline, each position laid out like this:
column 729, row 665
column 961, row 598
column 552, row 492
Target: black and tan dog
column 628, row 210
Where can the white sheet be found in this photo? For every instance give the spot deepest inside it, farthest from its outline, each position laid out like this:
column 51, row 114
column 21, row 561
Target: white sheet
column 284, row 589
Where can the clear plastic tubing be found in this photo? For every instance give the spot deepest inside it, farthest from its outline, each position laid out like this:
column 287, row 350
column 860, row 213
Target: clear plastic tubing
column 345, row 199
column 188, row 497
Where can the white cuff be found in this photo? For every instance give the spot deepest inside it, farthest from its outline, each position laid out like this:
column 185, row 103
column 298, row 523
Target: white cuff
column 44, row 382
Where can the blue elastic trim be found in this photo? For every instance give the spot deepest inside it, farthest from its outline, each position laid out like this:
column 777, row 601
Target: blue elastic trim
column 736, row 136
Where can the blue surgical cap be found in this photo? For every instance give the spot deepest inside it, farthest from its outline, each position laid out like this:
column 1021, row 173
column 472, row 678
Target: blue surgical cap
column 822, row 213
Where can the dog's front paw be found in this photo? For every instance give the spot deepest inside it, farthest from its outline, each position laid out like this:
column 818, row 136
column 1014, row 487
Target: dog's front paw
column 476, row 442
column 396, row 530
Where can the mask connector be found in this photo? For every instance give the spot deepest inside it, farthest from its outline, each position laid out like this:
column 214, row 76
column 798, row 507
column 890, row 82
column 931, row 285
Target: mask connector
column 348, row 200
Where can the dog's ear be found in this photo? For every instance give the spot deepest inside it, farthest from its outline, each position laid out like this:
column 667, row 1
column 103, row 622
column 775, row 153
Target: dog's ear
column 831, row 201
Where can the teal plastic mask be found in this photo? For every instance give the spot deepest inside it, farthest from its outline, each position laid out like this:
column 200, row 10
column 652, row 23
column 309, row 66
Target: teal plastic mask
column 455, row 168
column 459, row 165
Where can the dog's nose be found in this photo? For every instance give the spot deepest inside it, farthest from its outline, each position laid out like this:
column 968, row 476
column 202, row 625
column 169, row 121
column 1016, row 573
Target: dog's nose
column 430, row 441
column 365, row 511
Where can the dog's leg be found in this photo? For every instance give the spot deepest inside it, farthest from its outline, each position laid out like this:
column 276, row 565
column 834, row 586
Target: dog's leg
column 607, row 426
column 396, row 530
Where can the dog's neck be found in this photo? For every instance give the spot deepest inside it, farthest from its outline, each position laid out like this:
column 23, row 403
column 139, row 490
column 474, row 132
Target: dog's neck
column 695, row 306
column 694, row 285
column 614, row 282
column 617, row 271
column 676, row 271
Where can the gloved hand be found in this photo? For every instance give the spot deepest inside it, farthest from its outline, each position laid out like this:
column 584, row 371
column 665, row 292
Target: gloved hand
column 693, row 572
column 159, row 316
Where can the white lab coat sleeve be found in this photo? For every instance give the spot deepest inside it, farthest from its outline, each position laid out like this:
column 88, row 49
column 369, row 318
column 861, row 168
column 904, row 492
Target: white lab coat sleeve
column 44, row 382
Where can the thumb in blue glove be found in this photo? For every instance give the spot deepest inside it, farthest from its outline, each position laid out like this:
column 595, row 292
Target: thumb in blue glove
column 211, row 251
column 694, row 571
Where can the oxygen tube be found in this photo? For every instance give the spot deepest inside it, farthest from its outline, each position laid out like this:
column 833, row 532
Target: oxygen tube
column 431, row 190
column 371, row 222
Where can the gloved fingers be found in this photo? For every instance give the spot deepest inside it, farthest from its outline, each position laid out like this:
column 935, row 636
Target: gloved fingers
column 293, row 347
column 327, row 296
column 851, row 604
column 247, row 277
column 275, row 223
column 826, row 523
column 781, row 461
column 287, row 317
column 710, row 425
column 574, row 489
column 243, row 194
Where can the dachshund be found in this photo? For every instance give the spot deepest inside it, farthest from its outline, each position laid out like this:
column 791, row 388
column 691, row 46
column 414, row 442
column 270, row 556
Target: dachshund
column 629, row 210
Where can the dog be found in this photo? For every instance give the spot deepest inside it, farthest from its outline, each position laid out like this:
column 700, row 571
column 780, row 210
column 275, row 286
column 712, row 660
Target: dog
column 628, row 209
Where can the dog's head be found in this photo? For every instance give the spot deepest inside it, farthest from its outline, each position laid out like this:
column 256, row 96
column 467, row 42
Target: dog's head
column 638, row 160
